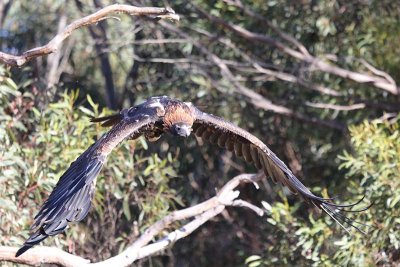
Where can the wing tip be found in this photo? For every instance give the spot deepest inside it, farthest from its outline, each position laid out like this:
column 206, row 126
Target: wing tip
column 22, row 250
column 69, row 201
column 337, row 213
column 35, row 238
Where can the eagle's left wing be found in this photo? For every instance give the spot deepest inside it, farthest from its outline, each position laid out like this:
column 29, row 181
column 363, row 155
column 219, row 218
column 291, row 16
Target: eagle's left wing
column 227, row 135
column 71, row 198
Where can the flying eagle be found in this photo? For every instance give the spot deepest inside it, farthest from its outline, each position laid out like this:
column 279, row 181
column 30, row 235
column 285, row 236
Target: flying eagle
column 72, row 196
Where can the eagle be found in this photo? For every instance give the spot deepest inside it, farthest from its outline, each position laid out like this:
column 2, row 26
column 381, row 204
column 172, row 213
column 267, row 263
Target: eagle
column 71, row 198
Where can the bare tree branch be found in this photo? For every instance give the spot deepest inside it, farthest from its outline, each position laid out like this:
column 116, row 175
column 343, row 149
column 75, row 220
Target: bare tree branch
column 294, row 79
column 360, row 104
column 141, row 248
column 41, row 255
column 54, row 44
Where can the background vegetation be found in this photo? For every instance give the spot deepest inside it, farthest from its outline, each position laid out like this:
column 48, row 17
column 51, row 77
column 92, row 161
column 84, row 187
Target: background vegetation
column 339, row 135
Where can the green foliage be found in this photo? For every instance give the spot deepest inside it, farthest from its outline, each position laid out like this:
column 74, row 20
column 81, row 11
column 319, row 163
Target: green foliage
column 377, row 161
column 374, row 167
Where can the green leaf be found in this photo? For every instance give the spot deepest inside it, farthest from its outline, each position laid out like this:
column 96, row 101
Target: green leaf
column 126, row 208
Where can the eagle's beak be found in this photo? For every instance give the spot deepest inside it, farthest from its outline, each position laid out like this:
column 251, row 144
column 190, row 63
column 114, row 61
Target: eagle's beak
column 181, row 129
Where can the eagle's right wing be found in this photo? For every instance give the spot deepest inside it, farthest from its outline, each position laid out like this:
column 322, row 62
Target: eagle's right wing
column 72, row 196
column 227, row 135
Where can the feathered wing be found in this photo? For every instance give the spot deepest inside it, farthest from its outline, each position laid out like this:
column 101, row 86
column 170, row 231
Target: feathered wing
column 227, row 135
column 71, row 198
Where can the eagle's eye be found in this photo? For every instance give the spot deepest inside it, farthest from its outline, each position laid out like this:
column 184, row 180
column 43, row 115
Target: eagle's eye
column 181, row 129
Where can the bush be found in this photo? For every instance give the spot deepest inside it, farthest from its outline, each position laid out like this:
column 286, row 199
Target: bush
column 373, row 169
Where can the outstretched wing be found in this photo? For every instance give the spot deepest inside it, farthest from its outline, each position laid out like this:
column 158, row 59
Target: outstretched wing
column 227, row 135
column 72, row 196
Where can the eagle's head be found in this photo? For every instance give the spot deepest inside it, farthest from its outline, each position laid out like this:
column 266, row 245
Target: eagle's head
column 178, row 118
column 181, row 129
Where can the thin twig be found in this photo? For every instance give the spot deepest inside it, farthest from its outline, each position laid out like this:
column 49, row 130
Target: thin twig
column 336, row 107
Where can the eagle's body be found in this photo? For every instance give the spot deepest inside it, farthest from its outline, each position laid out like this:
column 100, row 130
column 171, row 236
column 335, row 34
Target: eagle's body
column 72, row 196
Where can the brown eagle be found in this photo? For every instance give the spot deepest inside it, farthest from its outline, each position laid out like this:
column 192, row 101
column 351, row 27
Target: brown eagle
column 72, row 196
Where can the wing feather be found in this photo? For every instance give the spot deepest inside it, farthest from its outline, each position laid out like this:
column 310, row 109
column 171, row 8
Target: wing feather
column 108, row 120
column 253, row 150
column 214, row 137
column 238, row 149
column 206, row 134
column 246, row 152
column 222, row 139
column 255, row 156
column 230, row 144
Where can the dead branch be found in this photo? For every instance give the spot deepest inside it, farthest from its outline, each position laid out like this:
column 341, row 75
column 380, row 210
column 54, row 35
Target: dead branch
column 294, row 79
column 54, row 44
column 201, row 213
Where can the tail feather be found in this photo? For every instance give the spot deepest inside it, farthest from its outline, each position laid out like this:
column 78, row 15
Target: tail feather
column 70, row 200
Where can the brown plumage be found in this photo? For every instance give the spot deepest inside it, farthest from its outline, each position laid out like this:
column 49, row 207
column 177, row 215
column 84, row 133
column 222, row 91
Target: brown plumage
column 72, row 196
column 178, row 112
